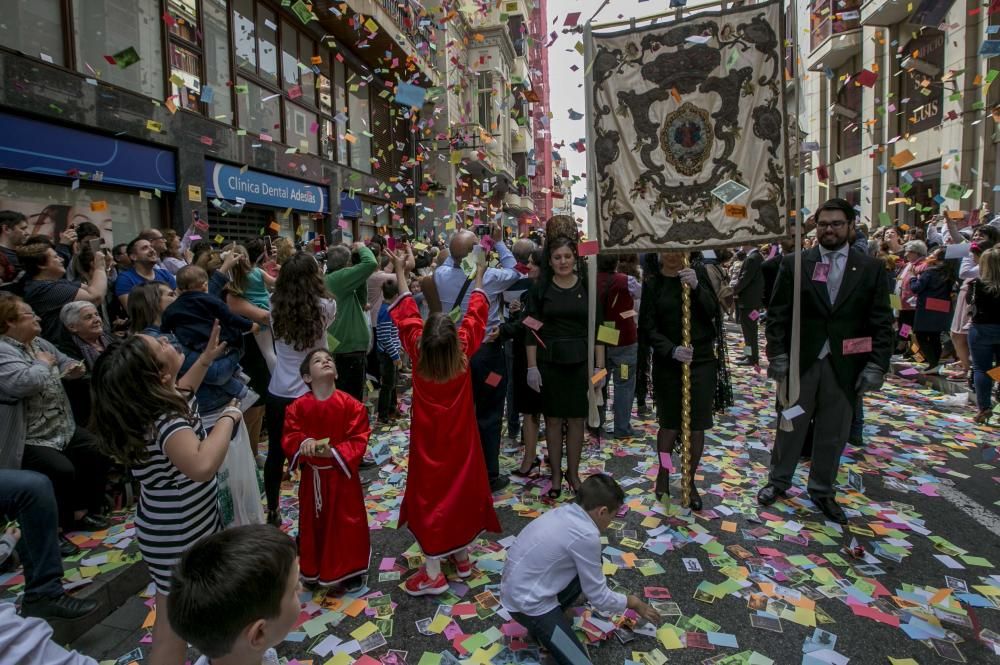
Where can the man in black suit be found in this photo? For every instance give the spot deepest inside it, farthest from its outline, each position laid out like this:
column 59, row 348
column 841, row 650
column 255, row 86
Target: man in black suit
column 847, row 338
column 749, row 291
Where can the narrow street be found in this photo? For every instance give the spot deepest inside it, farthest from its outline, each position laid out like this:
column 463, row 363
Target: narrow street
column 768, row 584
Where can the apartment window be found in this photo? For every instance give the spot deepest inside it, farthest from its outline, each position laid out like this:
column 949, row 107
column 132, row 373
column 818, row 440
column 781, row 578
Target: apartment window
column 301, row 127
column 340, row 110
column 259, row 109
column 846, row 114
column 359, row 123
column 297, row 74
column 517, row 31
column 35, row 29
column 109, row 27
column 218, row 63
column 484, row 82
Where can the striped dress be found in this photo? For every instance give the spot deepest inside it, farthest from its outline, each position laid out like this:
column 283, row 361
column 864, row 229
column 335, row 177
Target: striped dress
column 174, row 511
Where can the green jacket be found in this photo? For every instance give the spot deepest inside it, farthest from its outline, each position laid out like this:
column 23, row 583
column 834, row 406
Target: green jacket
column 349, row 330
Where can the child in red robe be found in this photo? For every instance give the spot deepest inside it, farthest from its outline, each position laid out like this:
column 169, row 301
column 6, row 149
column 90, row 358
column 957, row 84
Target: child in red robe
column 447, row 503
column 326, row 433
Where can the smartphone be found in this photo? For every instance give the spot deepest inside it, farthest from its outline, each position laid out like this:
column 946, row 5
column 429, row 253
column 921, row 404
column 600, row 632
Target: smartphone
column 320, row 243
column 268, row 247
column 482, row 230
column 95, row 244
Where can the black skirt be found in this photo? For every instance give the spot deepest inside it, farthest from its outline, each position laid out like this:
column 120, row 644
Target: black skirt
column 526, row 400
column 667, row 392
column 564, row 390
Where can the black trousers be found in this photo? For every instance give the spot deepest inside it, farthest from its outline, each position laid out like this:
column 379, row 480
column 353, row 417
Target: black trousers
column 387, row 390
column 930, row 347
column 489, row 400
column 274, row 465
column 351, row 374
column 642, row 374
column 79, row 474
column 749, row 328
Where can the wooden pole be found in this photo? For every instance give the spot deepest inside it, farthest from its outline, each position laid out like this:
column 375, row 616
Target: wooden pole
column 686, row 470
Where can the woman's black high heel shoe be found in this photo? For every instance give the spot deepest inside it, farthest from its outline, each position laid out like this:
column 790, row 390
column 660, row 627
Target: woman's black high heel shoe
column 537, row 464
column 694, row 499
column 662, row 485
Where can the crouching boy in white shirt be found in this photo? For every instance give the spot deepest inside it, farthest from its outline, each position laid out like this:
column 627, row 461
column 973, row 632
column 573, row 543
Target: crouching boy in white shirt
column 555, row 559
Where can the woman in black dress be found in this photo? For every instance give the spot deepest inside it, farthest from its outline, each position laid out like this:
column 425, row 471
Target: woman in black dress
column 557, row 355
column 660, row 320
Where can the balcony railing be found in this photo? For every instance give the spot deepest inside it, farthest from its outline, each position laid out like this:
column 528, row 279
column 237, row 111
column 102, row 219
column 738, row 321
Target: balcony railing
column 406, row 17
column 833, row 17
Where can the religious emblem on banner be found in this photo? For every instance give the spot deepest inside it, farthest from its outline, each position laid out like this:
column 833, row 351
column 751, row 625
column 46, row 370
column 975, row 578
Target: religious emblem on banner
column 687, row 124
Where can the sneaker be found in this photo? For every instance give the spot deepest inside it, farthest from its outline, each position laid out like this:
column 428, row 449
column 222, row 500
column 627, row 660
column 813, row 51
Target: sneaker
column 420, row 584
column 60, row 607
column 462, row 567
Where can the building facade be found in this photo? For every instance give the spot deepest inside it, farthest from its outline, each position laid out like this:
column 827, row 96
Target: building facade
column 897, row 109
column 258, row 116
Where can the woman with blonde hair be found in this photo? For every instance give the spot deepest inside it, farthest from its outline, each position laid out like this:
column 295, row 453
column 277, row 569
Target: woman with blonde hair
column 983, row 299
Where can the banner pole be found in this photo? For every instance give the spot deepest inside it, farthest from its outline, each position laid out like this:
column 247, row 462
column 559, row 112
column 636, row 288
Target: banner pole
column 686, row 480
column 594, row 394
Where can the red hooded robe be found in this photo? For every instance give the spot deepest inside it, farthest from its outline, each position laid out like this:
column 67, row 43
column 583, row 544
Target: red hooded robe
column 447, row 502
column 334, row 544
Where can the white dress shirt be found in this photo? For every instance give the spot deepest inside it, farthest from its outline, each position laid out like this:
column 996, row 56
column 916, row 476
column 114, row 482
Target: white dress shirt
column 561, row 544
column 449, row 278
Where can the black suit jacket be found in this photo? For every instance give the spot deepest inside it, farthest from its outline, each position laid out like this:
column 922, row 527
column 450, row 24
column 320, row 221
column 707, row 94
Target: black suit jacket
column 770, row 271
column 862, row 310
column 749, row 287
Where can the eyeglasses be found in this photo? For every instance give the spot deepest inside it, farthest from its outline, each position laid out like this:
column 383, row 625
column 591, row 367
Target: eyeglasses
column 839, row 224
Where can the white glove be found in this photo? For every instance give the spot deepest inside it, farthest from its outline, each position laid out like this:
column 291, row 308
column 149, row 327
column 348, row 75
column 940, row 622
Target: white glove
column 683, row 354
column 688, row 276
column 534, row 379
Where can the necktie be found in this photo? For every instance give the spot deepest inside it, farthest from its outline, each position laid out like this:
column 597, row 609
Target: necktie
column 833, row 277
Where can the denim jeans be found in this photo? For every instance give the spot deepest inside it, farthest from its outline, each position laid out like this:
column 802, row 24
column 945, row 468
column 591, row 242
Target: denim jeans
column 619, row 357
column 387, row 390
column 543, row 627
column 489, row 401
column 984, row 348
column 28, row 497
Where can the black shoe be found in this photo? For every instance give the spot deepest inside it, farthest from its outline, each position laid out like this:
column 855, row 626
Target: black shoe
column 91, row 522
column 828, row 506
column 498, row 483
column 353, row 584
column 769, row 494
column 67, row 547
column 694, row 499
column 537, row 464
column 274, row 517
column 748, row 362
column 368, row 463
column 642, row 410
column 60, row 607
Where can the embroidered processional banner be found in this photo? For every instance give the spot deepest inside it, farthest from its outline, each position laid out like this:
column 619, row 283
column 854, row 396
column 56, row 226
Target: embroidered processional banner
column 686, row 131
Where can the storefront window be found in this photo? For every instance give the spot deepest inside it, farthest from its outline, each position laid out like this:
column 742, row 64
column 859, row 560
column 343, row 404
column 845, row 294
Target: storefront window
column 217, row 63
column 921, row 90
column 35, row 29
column 260, row 109
column 50, row 209
column 110, row 27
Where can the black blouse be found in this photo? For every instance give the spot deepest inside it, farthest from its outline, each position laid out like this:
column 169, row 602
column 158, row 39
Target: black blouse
column 660, row 315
